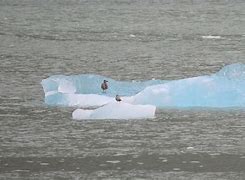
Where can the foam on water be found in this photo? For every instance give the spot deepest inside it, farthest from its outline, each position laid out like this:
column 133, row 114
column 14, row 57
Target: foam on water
column 211, row 37
column 225, row 88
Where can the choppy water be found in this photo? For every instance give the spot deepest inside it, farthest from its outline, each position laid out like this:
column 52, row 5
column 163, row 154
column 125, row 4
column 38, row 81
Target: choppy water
column 124, row 40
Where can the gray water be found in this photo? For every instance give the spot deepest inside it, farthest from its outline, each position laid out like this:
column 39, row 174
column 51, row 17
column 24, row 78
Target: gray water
column 124, row 40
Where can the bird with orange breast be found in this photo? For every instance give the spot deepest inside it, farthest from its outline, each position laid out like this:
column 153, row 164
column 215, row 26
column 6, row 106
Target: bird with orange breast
column 104, row 86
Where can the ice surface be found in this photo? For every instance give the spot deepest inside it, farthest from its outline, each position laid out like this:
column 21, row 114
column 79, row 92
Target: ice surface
column 80, row 100
column 116, row 110
column 90, row 84
column 225, row 88
column 194, row 92
column 84, row 90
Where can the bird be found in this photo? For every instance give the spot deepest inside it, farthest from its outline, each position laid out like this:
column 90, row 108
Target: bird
column 118, row 99
column 104, row 85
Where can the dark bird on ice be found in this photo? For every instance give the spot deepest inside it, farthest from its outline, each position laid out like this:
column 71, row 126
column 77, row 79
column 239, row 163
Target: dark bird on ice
column 104, row 85
column 118, row 99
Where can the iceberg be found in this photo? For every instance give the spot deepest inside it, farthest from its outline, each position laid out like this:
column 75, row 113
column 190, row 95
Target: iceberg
column 84, row 90
column 116, row 110
column 90, row 84
column 79, row 100
column 226, row 88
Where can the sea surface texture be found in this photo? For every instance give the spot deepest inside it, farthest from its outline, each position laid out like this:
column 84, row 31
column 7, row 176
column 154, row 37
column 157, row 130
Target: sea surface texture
column 124, row 40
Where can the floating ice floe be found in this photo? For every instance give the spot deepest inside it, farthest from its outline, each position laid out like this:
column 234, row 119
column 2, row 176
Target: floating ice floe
column 77, row 100
column 116, row 110
column 84, row 90
column 225, row 88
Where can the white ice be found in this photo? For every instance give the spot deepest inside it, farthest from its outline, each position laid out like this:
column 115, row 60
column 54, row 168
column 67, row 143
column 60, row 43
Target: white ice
column 116, row 110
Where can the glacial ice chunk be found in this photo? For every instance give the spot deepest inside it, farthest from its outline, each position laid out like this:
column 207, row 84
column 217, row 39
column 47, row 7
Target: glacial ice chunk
column 90, row 84
column 85, row 91
column 116, row 110
column 80, row 100
column 225, row 88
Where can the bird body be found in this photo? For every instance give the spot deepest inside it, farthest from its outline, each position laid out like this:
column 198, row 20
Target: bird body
column 118, row 99
column 104, row 85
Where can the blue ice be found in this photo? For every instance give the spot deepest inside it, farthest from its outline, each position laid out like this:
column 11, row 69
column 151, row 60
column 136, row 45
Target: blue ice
column 226, row 88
